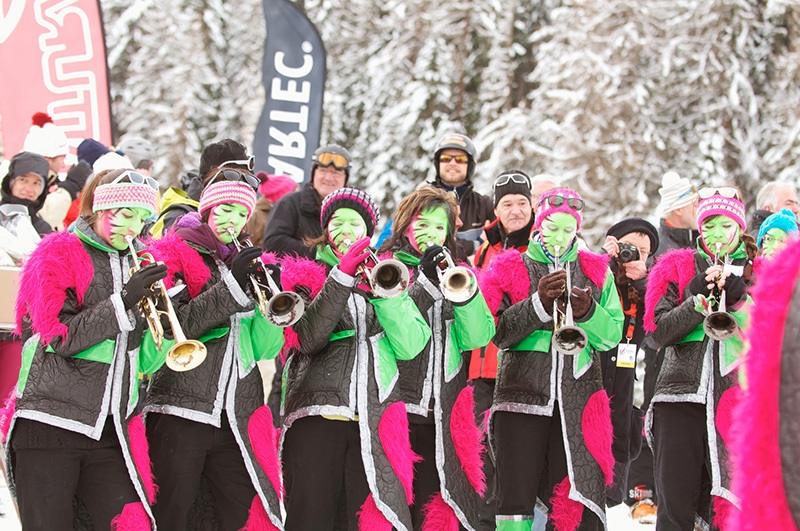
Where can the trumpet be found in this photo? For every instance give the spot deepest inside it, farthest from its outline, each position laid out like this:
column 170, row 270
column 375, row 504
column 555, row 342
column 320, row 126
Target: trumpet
column 386, row 278
column 185, row 354
column 720, row 325
column 458, row 283
column 568, row 339
column 281, row 308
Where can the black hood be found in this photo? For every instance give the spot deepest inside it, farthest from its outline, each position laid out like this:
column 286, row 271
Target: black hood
column 33, row 206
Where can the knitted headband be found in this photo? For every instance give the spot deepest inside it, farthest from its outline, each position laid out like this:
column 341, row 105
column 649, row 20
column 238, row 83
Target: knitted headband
column 784, row 220
column 546, row 206
column 358, row 200
column 124, row 195
column 224, row 192
column 718, row 205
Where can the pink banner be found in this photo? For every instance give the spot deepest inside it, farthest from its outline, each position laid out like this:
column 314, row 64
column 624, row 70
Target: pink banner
column 53, row 60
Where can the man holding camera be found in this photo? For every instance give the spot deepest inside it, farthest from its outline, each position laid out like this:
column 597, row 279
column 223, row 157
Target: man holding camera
column 629, row 243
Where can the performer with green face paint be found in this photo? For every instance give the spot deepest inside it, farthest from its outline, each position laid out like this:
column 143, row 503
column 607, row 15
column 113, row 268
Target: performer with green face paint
column 550, row 424
column 345, row 440
column 449, row 479
column 688, row 422
column 74, row 435
column 208, row 427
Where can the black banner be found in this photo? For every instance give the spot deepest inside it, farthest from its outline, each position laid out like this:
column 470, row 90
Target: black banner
column 293, row 75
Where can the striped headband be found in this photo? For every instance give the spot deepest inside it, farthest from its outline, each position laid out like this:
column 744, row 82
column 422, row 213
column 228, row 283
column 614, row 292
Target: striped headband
column 225, row 192
column 124, row 195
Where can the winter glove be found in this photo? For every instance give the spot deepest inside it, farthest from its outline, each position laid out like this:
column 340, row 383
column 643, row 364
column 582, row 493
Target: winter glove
column 140, row 285
column 698, row 285
column 581, row 302
column 76, row 178
column 356, row 255
column 245, row 264
column 429, row 263
column 735, row 289
column 551, row 287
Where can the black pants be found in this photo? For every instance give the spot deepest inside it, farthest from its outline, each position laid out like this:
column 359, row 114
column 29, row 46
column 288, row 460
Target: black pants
column 484, row 393
column 641, row 477
column 323, row 469
column 47, row 481
column 683, row 477
column 183, row 452
column 426, row 478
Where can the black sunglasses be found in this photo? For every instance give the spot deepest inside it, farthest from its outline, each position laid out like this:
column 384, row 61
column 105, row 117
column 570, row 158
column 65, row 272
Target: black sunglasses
column 236, row 175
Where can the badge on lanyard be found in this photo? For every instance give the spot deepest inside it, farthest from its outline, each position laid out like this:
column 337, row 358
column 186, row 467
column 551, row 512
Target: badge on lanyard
column 626, row 355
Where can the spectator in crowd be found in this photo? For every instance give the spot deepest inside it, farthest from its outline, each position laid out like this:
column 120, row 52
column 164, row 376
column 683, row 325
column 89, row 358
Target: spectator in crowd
column 295, row 217
column 677, row 227
column 540, row 184
column 454, row 161
column 271, row 189
column 772, row 198
column 26, row 184
column 48, row 140
column 140, row 152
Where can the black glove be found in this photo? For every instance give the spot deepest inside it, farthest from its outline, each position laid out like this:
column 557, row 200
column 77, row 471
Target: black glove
column 140, row 285
column 245, row 264
column 699, row 285
column 581, row 302
column 429, row 263
column 735, row 289
column 76, row 178
column 551, row 287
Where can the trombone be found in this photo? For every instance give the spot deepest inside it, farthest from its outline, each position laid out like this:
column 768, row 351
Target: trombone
column 458, row 283
column 281, row 308
column 386, row 278
column 185, row 354
column 720, row 325
column 568, row 339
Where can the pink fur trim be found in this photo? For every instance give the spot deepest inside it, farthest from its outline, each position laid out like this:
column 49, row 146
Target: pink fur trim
column 179, row 257
column 723, row 416
column 722, row 512
column 140, row 450
column 264, row 438
column 468, row 439
column 675, row 266
column 755, row 447
column 7, row 413
column 598, row 433
column 438, row 516
column 296, row 272
column 566, row 514
column 257, row 518
column 370, row 518
column 594, row 266
column 393, row 433
column 506, row 274
column 59, row 262
column 132, row 518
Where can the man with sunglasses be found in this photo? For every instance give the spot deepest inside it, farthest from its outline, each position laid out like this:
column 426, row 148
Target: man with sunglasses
column 296, row 216
column 454, row 162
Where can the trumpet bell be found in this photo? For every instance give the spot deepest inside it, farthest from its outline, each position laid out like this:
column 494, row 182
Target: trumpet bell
column 720, row 326
column 389, row 278
column 285, row 309
column 186, row 355
column 458, row 284
column 569, row 340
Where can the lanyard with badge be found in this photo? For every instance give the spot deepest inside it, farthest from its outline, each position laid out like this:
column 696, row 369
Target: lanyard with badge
column 626, row 352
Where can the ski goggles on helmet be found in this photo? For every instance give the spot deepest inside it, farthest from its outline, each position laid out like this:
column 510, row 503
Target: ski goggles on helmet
column 327, row 158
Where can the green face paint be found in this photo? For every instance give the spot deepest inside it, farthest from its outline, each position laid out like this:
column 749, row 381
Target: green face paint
column 428, row 228
column 773, row 241
column 558, row 230
column 113, row 225
column 227, row 216
column 722, row 230
column 345, row 228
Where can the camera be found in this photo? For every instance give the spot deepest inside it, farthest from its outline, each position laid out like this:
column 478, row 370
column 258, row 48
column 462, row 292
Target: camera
column 627, row 253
